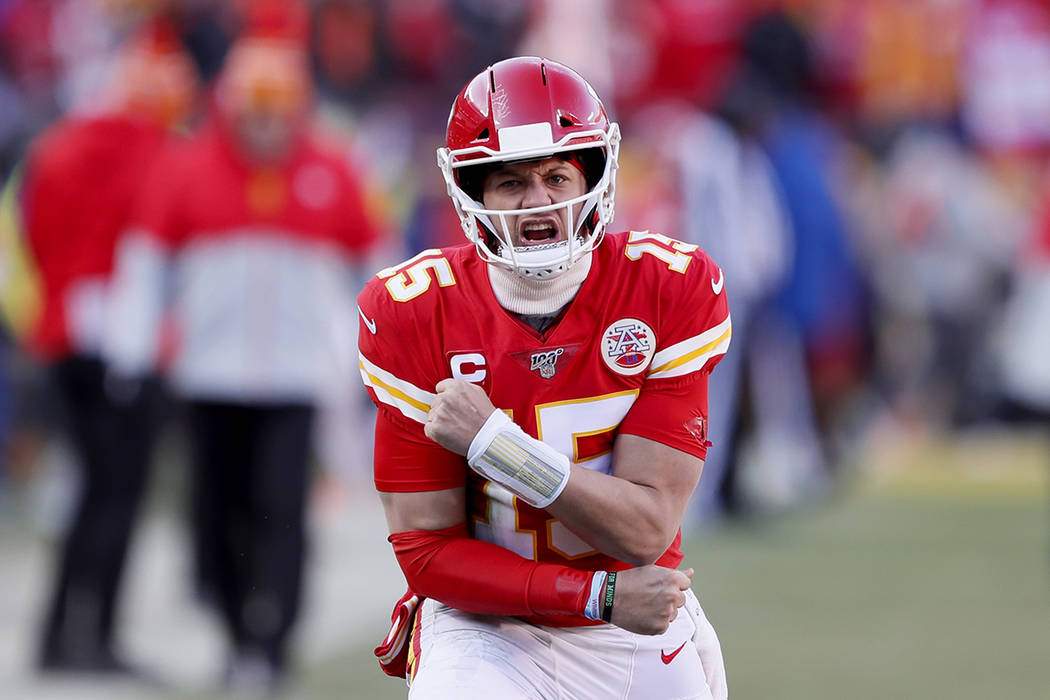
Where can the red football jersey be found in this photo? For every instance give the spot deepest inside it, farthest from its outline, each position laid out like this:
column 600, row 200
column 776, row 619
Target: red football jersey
column 630, row 354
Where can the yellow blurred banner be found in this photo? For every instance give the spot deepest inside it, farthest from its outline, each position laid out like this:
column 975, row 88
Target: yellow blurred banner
column 981, row 463
column 20, row 296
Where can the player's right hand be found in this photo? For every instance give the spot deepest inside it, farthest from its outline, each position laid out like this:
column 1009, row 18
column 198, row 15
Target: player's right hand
column 458, row 411
column 647, row 598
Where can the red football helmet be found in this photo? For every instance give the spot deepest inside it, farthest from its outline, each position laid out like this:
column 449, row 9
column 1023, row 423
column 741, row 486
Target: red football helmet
column 524, row 109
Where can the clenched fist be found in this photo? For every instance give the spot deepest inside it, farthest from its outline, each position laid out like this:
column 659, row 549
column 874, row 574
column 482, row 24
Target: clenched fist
column 647, row 598
column 457, row 414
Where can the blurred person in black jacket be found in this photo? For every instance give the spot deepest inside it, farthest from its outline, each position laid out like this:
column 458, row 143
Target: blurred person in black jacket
column 82, row 176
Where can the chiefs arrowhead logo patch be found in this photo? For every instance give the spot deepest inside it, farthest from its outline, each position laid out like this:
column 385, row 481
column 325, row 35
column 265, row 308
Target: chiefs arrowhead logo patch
column 628, row 346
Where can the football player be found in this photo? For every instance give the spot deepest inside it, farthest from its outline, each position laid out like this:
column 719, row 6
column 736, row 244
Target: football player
column 542, row 422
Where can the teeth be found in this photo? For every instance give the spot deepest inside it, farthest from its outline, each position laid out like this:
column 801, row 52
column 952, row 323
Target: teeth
column 537, row 227
column 539, row 246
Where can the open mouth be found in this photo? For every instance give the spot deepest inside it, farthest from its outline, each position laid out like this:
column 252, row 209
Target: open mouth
column 538, row 232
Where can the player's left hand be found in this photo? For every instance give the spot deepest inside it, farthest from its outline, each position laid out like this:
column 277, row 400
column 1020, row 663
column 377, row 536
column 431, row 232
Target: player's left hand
column 457, row 414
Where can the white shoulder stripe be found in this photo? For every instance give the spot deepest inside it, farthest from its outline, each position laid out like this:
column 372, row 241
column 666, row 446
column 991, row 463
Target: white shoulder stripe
column 693, row 353
column 406, row 397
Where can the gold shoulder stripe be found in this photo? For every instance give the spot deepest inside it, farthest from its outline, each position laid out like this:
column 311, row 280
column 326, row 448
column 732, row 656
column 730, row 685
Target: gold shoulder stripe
column 406, row 397
column 693, row 353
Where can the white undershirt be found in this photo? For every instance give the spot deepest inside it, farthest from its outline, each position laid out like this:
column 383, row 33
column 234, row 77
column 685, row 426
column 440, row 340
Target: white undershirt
column 530, row 296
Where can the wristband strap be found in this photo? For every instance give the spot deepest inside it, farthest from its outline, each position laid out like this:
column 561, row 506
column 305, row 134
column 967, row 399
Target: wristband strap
column 610, row 592
column 592, row 611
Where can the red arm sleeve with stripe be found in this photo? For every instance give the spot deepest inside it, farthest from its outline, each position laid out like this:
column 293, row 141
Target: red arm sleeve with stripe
column 484, row 578
column 447, row 565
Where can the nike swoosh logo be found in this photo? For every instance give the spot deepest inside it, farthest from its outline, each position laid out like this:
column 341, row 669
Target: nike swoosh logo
column 716, row 287
column 668, row 658
column 368, row 322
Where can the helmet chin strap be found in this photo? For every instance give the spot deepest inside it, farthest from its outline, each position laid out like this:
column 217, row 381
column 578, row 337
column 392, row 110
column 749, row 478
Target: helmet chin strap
column 526, row 266
column 540, row 262
column 532, row 295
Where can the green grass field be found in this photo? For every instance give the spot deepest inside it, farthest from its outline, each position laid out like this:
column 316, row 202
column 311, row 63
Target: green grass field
column 919, row 587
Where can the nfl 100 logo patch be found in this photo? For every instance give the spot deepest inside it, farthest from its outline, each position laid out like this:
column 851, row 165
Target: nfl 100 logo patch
column 628, row 346
column 545, row 362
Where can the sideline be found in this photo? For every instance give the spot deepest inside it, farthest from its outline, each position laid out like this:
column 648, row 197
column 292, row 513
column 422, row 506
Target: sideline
column 352, row 580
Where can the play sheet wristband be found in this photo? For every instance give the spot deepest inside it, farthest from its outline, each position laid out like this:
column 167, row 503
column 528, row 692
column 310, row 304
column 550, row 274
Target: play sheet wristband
column 502, row 452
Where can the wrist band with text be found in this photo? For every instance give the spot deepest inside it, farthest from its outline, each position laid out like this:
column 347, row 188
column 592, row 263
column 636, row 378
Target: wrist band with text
column 610, row 591
column 592, row 610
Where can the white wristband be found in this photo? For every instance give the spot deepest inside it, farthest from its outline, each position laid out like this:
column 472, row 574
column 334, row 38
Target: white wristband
column 593, row 610
column 502, row 452
column 496, row 422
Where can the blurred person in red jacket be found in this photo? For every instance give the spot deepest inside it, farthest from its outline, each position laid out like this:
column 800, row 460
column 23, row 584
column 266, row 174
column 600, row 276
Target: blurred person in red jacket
column 257, row 227
column 82, row 176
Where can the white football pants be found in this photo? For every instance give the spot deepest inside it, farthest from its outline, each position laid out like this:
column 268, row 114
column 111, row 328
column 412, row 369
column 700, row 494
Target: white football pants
column 467, row 657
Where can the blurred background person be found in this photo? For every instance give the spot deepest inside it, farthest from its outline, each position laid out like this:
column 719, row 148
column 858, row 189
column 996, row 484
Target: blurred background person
column 740, row 159
column 81, row 179
column 943, row 184
column 728, row 202
column 806, row 340
column 259, row 224
column 1023, row 333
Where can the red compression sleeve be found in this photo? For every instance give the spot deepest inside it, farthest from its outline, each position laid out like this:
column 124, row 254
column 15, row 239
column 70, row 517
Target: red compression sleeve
column 484, row 578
